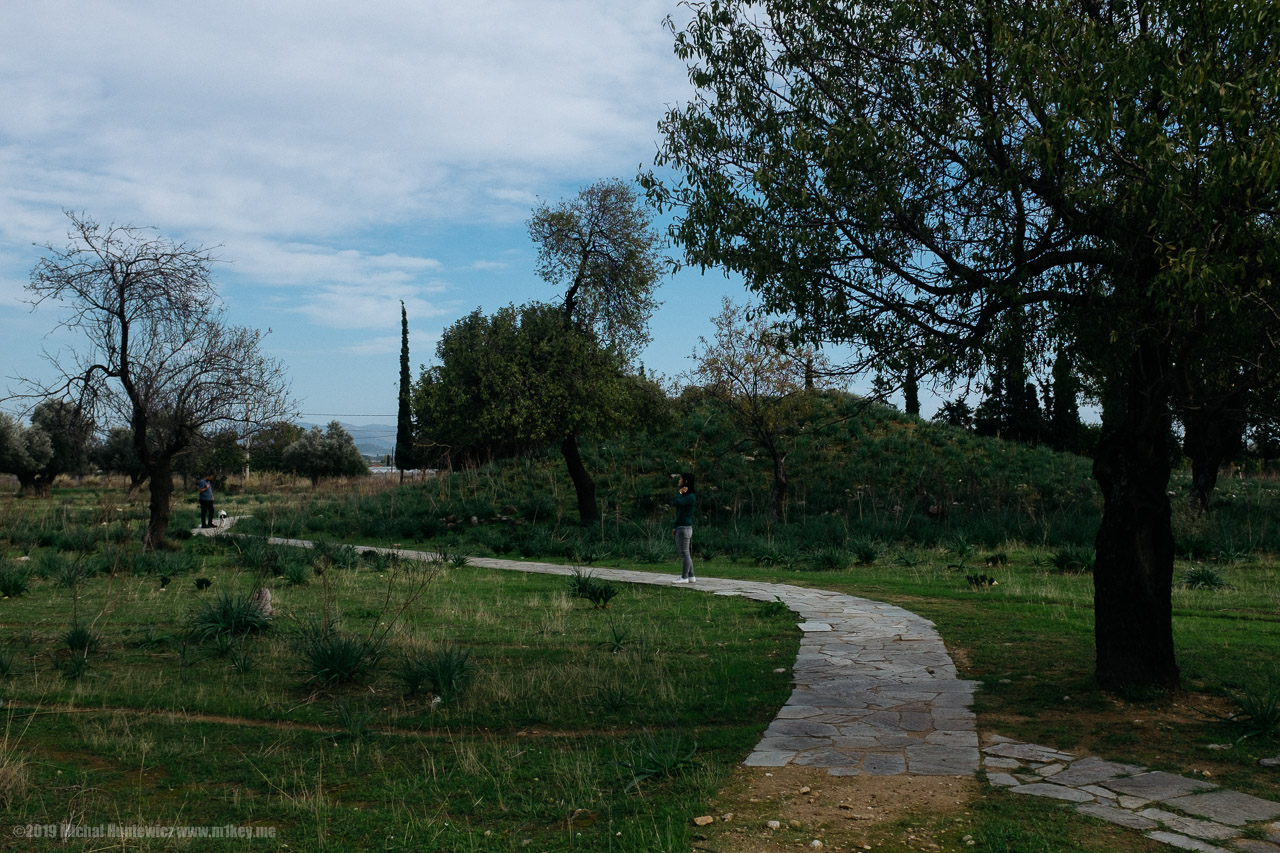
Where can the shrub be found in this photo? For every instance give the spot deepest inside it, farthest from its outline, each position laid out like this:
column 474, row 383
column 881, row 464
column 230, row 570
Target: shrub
column 1203, row 577
column 1073, row 560
column 865, row 551
column 14, row 579
column 659, row 758
column 331, row 657
column 446, row 672
column 1257, row 709
column 227, row 614
column 830, row 559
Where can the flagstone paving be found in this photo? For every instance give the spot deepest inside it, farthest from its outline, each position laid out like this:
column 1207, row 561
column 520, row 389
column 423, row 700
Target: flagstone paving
column 877, row 693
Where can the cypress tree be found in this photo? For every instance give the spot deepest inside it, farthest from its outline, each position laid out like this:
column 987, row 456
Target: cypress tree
column 405, row 457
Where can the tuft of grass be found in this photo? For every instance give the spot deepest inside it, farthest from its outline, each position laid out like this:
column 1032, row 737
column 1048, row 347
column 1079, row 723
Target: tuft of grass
column 1257, row 709
column 445, row 671
column 14, row 579
column 331, row 657
column 658, row 758
column 830, row 560
column 229, row 614
column 1203, row 576
column 1073, row 560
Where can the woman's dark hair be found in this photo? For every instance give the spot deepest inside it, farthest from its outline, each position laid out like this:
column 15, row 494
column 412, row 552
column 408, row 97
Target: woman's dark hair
column 688, row 481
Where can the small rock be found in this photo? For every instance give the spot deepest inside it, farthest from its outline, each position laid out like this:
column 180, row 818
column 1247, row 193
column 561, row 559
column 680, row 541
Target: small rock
column 1270, row 762
column 806, row 789
column 1218, row 746
column 704, row 820
column 815, row 844
column 774, row 824
column 726, row 817
column 795, row 824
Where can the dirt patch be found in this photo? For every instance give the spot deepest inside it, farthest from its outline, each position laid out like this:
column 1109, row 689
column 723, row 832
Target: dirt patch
column 844, row 813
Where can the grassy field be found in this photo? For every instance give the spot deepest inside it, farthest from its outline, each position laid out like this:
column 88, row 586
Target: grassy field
column 571, row 727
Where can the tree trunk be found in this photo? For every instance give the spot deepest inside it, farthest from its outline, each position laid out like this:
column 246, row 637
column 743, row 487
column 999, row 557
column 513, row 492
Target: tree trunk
column 161, row 494
column 582, row 482
column 778, row 499
column 1133, row 569
column 1210, row 439
column 34, row 486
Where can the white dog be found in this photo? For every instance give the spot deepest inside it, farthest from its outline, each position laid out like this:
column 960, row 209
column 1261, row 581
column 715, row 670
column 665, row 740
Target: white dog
column 222, row 517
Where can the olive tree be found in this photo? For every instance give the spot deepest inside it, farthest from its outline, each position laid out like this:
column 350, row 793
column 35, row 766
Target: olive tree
column 56, row 442
column 602, row 248
column 331, row 452
column 908, row 176
column 158, row 352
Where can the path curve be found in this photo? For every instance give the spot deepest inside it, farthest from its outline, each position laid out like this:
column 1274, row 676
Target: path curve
column 875, row 690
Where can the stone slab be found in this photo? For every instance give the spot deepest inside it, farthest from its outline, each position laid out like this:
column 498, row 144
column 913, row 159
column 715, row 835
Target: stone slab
column 1119, row 817
column 1053, row 792
column 1157, row 785
column 1182, row 842
column 1205, row 829
column 1028, row 752
column 1091, row 770
column 890, row 764
column 1230, row 807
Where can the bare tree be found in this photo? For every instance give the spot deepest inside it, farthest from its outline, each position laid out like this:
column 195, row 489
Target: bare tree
column 766, row 390
column 159, row 353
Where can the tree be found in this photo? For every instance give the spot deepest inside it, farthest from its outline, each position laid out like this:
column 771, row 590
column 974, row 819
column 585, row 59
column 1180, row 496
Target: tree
column 328, row 453
column 889, row 171
column 219, row 454
column 268, row 444
column 159, row 353
column 766, row 389
column 57, row 442
column 1063, row 406
column 116, row 454
column 602, row 248
column 519, row 380
column 405, row 451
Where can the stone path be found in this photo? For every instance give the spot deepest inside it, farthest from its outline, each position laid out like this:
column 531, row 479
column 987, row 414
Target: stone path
column 876, row 693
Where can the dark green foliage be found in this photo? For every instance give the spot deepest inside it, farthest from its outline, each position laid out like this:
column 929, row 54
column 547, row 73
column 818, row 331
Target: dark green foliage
column 229, row 614
column 332, row 657
column 830, row 559
column 1203, row 577
column 598, row 592
column 1257, row 709
column 331, row 453
column 656, row 758
column 444, row 671
column 14, row 579
column 80, row 639
column 1073, row 560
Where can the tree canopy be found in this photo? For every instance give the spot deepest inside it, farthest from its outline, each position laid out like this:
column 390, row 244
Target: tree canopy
column 904, row 176
column 331, row 452
column 56, row 442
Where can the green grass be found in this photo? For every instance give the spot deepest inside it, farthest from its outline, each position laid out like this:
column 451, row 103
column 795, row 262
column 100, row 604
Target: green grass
column 162, row 729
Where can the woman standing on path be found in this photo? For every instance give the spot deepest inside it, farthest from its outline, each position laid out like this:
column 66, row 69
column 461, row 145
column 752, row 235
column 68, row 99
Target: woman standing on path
column 685, row 501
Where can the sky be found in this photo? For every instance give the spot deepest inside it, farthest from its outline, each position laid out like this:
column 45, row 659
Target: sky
column 341, row 158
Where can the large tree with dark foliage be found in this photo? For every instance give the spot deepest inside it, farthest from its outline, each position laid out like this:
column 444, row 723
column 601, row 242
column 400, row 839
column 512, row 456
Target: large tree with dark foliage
column 158, row 353
column 519, row 380
column 56, row 442
column 907, row 175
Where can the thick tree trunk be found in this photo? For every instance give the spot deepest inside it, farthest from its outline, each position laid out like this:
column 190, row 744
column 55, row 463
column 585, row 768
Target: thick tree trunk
column 778, row 500
column 582, row 482
column 161, row 495
column 34, row 486
column 1133, row 569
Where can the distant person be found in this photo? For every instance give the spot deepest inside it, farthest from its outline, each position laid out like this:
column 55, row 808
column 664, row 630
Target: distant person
column 685, row 500
column 205, row 485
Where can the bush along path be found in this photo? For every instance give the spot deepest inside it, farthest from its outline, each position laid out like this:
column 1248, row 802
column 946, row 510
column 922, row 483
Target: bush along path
column 877, row 693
